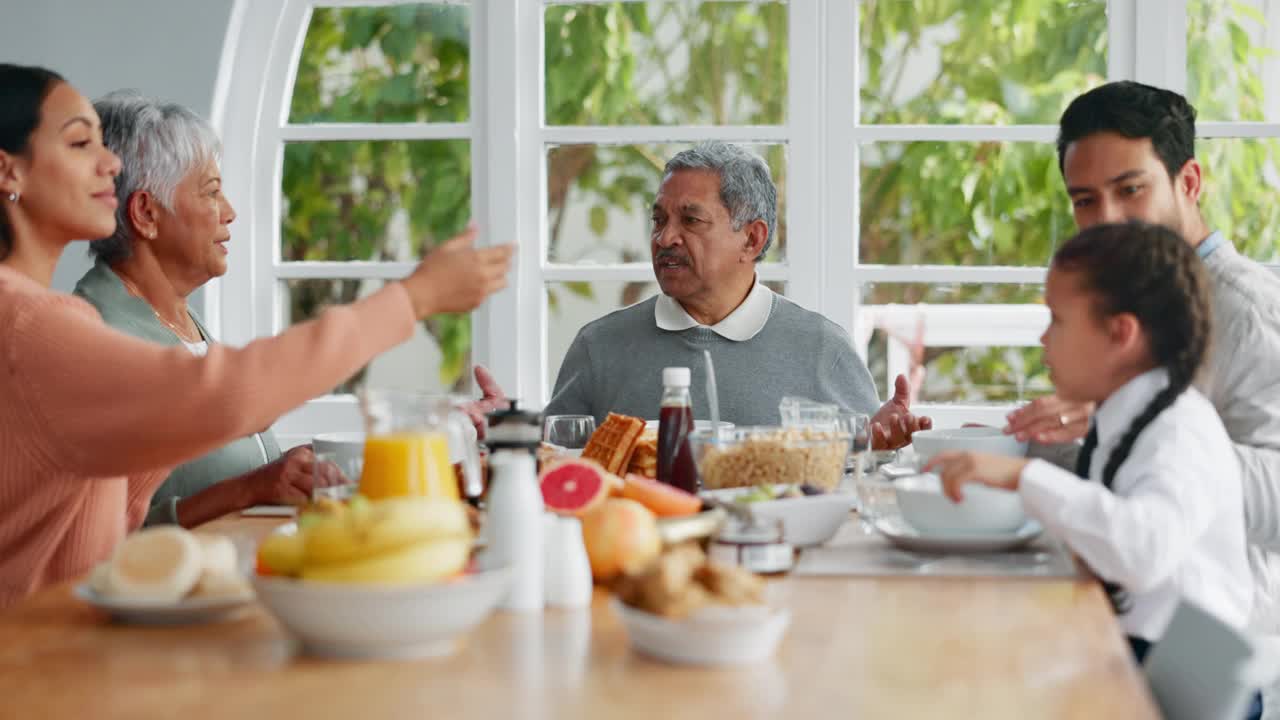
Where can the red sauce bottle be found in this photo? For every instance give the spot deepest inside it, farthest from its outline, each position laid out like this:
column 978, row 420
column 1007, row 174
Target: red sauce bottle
column 675, row 424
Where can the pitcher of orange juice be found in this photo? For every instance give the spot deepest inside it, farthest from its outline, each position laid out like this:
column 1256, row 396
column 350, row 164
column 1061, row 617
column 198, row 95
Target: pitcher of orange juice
column 408, row 442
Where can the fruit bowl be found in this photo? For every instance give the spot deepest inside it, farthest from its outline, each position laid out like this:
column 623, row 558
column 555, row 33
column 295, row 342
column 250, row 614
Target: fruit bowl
column 712, row 636
column 371, row 621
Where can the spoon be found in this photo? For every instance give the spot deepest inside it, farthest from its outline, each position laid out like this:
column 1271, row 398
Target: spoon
column 713, row 398
column 741, row 511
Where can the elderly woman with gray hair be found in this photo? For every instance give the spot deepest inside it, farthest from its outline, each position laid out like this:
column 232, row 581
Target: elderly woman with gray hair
column 172, row 230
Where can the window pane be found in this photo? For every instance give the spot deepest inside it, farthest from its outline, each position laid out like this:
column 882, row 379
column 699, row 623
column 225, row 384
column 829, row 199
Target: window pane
column 1232, row 74
column 435, row 359
column 571, row 305
column 986, row 63
column 599, row 199
column 656, row 63
column 408, row 63
column 1239, row 198
column 373, row 200
column 952, row 293
column 977, row 342
column 960, row 203
column 991, row 374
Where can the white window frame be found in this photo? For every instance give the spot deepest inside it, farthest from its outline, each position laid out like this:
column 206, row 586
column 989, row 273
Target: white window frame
column 509, row 137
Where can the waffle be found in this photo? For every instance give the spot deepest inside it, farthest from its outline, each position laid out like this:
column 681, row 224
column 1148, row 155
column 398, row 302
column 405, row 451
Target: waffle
column 644, row 460
column 612, row 443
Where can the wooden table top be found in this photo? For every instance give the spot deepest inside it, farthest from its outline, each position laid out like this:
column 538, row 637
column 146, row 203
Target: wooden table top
column 900, row 647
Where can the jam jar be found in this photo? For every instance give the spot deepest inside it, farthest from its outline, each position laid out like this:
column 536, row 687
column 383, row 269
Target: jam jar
column 755, row 545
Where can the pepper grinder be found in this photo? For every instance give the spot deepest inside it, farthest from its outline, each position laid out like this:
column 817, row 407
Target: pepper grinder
column 514, row 525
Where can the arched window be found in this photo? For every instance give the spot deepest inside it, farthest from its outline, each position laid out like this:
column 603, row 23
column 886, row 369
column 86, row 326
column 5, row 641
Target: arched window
column 920, row 196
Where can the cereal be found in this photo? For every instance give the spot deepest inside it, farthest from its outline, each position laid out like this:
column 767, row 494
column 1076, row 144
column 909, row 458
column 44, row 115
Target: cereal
column 777, row 456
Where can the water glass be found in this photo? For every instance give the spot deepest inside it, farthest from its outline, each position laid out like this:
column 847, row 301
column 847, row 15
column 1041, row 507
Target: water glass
column 806, row 414
column 876, row 497
column 873, row 491
column 568, row 433
column 336, row 474
column 858, row 426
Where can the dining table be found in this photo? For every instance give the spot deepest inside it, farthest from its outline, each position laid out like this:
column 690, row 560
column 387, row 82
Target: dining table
column 857, row 647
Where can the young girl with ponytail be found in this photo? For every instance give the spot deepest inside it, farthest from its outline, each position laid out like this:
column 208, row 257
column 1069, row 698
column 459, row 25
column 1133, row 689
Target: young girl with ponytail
column 1159, row 516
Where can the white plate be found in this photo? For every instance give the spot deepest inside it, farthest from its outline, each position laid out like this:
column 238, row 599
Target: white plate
column 190, row 611
column 730, row 638
column 899, row 533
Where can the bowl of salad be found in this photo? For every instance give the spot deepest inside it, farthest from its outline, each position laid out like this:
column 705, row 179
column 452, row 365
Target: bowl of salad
column 809, row 515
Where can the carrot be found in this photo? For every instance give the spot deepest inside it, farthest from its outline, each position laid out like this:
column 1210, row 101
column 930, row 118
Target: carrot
column 663, row 499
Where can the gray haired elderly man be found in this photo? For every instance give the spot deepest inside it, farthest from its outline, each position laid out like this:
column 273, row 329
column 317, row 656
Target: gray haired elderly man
column 713, row 219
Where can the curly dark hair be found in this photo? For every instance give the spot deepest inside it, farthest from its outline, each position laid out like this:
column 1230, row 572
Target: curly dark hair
column 1135, row 111
column 1148, row 271
column 22, row 92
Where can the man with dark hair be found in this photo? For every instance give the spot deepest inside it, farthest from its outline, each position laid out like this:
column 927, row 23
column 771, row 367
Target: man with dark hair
column 1127, row 151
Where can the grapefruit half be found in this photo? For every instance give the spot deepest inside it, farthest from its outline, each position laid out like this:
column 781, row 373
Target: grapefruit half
column 573, row 487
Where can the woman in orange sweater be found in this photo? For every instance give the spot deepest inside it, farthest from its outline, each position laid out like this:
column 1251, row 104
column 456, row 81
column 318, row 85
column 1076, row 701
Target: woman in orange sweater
column 91, row 419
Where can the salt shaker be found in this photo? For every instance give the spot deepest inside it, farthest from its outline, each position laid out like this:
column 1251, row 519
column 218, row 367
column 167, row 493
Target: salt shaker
column 568, row 572
column 515, row 526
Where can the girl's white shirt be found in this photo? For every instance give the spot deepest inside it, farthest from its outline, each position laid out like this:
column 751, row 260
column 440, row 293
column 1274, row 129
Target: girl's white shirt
column 1172, row 526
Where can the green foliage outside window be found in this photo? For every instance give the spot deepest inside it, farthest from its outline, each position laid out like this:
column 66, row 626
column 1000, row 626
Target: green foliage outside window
column 1000, row 62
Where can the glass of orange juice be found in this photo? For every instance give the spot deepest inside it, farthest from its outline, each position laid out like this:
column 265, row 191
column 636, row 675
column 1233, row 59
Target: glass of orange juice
column 411, row 441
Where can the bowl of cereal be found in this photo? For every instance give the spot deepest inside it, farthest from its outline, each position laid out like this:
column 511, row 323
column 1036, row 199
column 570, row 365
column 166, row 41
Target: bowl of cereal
column 769, row 455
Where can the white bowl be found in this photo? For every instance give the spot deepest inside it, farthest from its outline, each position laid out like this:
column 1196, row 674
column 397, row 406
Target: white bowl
column 806, row 521
column 984, row 510
column 713, row 636
column 928, row 443
column 368, row 621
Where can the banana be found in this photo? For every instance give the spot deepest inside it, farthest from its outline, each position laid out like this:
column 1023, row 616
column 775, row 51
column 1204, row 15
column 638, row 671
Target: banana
column 282, row 554
column 381, row 527
column 156, row 564
column 218, row 552
column 420, row 562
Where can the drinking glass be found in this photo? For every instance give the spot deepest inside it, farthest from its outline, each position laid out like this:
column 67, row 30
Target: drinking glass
column 858, row 426
column 872, row 490
column 806, row 414
column 336, row 474
column 568, row 433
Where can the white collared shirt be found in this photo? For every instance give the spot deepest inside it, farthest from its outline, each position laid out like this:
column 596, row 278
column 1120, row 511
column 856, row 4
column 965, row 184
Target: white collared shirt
column 1173, row 524
column 744, row 323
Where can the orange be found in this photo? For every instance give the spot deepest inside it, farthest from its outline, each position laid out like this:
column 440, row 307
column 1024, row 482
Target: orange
column 621, row 537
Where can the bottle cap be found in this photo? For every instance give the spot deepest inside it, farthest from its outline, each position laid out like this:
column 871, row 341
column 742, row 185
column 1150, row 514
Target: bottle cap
column 675, row 377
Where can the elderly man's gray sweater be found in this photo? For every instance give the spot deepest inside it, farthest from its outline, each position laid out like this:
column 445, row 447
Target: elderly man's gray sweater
column 615, row 364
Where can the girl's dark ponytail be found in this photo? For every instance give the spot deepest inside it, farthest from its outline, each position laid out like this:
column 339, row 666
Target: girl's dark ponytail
column 1152, row 273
